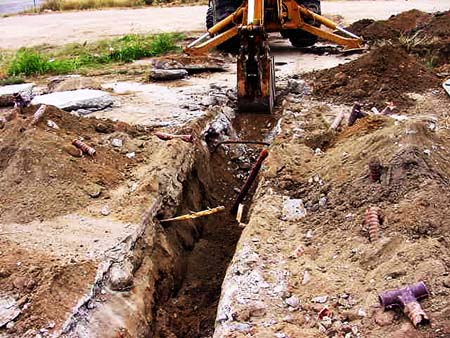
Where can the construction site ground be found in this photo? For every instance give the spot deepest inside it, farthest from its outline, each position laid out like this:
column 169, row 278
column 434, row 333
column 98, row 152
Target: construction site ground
column 83, row 251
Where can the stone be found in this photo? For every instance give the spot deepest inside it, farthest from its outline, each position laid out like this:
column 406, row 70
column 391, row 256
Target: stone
column 293, row 210
column 209, row 101
column 293, row 301
column 6, row 93
column 105, row 211
column 383, row 318
column 296, row 86
column 167, row 74
column 93, row 190
column 446, row 282
column 306, row 277
column 320, row 299
column 116, row 142
column 121, row 276
column 8, row 309
column 103, row 128
column 52, row 124
column 83, row 99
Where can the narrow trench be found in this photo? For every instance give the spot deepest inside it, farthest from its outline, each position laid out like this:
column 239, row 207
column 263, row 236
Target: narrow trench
column 191, row 311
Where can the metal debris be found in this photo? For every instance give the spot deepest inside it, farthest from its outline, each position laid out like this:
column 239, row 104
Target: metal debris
column 38, row 115
column 407, row 299
column 251, row 178
column 166, row 137
column 355, row 114
column 375, row 169
column 84, row 147
column 373, row 219
column 337, row 121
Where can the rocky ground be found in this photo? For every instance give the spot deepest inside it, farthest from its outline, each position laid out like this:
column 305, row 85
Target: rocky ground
column 83, row 251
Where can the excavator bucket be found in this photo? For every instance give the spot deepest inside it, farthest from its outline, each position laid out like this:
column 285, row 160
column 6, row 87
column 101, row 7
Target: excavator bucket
column 255, row 72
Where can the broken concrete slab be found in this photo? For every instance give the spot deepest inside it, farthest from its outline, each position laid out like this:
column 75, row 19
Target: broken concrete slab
column 167, row 74
column 87, row 100
column 6, row 93
column 72, row 82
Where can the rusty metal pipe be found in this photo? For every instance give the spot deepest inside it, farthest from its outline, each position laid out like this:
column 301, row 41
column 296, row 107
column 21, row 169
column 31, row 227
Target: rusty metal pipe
column 407, row 299
column 372, row 219
column 251, row 178
column 84, row 147
column 166, row 137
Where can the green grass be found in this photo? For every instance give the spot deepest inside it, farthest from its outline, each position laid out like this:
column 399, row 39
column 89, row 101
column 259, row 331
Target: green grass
column 64, row 5
column 72, row 57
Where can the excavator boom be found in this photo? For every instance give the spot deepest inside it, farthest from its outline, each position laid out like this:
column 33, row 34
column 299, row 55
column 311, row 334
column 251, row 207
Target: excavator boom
column 251, row 22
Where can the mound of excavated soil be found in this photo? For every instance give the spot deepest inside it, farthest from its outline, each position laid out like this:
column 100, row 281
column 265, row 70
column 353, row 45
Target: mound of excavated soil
column 437, row 26
column 403, row 23
column 385, row 74
column 41, row 177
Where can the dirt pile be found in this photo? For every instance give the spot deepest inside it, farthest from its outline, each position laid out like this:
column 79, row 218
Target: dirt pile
column 400, row 24
column 385, row 74
column 45, row 175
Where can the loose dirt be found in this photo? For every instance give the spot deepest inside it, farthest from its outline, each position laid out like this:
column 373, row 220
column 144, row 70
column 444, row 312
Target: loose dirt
column 385, row 74
column 33, row 157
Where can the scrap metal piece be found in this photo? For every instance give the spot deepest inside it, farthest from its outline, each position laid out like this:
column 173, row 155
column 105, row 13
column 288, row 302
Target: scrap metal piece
column 166, row 137
column 373, row 219
column 375, row 170
column 355, row 114
column 38, row 115
column 84, row 147
column 195, row 214
column 407, row 299
column 251, row 178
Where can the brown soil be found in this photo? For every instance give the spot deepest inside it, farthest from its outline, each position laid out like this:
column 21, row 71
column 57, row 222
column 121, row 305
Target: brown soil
column 46, row 288
column 35, row 157
column 385, row 74
column 331, row 242
column 191, row 312
column 401, row 24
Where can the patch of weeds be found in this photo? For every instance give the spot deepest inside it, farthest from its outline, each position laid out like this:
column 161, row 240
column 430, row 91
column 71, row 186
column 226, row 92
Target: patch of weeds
column 66, row 59
column 12, row 80
column 29, row 62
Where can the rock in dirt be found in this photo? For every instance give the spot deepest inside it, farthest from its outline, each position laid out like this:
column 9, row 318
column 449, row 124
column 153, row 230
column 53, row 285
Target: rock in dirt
column 6, row 93
column 167, row 74
column 87, row 100
column 121, row 276
column 8, row 309
column 293, row 210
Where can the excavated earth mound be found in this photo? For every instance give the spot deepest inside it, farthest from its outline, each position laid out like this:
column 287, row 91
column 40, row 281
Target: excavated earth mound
column 403, row 23
column 385, row 74
column 33, row 157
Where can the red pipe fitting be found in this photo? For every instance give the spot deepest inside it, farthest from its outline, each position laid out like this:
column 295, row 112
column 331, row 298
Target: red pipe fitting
column 166, row 137
column 84, row 147
column 407, row 299
column 373, row 219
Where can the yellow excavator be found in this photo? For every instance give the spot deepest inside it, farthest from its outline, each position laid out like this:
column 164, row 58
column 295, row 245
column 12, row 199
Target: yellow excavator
column 244, row 26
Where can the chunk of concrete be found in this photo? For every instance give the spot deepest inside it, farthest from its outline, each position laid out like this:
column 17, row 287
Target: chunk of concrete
column 86, row 99
column 72, row 82
column 8, row 309
column 167, row 74
column 6, row 93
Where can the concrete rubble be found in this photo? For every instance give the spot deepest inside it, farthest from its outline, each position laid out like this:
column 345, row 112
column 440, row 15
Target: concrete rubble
column 83, row 101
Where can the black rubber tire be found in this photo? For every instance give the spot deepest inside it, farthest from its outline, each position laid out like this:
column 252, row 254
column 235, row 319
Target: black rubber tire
column 299, row 38
column 209, row 18
column 219, row 10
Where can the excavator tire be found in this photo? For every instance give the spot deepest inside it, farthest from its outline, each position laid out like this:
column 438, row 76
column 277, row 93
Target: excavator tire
column 217, row 11
column 299, row 38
